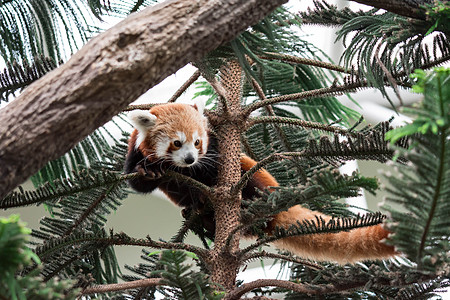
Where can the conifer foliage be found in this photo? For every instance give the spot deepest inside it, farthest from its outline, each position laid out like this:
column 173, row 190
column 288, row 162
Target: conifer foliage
column 72, row 254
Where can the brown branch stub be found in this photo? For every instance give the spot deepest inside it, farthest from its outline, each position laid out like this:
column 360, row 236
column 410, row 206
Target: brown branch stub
column 327, row 91
column 105, row 288
column 140, row 106
column 264, row 254
column 108, row 73
column 185, row 86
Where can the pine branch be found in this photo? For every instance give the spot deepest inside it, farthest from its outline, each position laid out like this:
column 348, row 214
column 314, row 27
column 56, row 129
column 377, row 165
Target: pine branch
column 422, row 187
column 361, row 147
column 437, row 191
column 87, row 212
column 327, row 14
column 106, row 288
column 120, row 239
column 298, row 122
column 85, row 181
column 328, row 91
column 347, row 282
column 16, row 76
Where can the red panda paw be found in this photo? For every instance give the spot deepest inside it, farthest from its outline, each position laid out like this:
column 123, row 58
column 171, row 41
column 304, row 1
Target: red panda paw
column 149, row 174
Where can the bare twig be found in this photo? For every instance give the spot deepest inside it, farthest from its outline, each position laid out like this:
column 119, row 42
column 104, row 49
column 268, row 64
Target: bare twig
column 184, row 87
column 328, row 91
column 105, row 288
column 264, row 254
column 140, row 106
column 121, row 239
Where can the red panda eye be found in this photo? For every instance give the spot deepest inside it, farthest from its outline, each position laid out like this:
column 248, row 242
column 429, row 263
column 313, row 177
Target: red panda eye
column 197, row 142
column 177, row 143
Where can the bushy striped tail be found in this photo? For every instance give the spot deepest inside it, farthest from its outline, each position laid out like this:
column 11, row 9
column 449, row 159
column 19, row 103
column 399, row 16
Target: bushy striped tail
column 357, row 244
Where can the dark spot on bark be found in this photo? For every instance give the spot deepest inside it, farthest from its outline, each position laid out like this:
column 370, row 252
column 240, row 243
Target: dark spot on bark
column 126, row 39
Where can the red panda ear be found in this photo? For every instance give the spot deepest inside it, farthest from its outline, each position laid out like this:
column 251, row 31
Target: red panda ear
column 200, row 106
column 142, row 120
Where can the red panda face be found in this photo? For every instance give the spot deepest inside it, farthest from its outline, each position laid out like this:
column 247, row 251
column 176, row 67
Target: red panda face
column 176, row 133
column 182, row 148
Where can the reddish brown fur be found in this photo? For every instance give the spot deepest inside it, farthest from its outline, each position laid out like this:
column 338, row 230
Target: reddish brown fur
column 263, row 177
column 132, row 140
column 343, row 247
column 169, row 123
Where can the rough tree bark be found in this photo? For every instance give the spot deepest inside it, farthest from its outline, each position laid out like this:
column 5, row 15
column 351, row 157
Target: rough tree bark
column 108, row 73
column 227, row 207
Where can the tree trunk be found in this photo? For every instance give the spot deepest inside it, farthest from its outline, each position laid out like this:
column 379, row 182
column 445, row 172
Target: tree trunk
column 227, row 207
column 108, row 73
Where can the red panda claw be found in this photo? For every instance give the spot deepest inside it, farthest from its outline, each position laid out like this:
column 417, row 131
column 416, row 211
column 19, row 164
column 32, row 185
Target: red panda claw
column 148, row 174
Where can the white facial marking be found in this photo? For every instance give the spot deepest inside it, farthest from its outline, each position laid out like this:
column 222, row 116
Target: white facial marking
column 204, row 139
column 161, row 147
column 181, row 136
column 187, row 155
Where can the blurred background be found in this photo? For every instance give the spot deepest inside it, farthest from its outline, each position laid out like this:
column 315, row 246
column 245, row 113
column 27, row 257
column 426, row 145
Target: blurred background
column 159, row 218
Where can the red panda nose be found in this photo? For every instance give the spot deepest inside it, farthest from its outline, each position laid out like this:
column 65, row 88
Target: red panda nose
column 189, row 159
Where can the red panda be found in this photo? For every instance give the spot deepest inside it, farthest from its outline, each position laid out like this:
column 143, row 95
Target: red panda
column 175, row 137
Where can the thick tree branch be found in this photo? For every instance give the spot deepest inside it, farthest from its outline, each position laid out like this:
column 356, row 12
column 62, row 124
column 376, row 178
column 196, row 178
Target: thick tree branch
column 109, row 72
